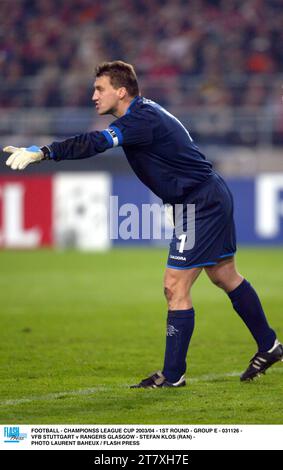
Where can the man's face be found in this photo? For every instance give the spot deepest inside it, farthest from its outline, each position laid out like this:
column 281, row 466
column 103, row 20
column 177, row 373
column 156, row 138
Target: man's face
column 106, row 97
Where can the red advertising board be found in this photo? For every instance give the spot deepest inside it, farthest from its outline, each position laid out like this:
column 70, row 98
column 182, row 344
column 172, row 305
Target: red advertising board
column 26, row 211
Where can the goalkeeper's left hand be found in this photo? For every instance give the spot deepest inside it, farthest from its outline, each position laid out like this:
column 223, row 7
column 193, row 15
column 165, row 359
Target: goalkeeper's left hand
column 21, row 157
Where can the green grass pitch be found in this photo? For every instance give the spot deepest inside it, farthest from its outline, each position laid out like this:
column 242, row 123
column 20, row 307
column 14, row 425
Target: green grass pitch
column 78, row 328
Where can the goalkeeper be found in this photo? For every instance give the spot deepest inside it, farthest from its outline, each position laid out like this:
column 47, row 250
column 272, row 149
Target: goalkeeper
column 163, row 155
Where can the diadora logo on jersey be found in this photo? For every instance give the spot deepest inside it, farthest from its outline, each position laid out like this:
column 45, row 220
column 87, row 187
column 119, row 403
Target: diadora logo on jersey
column 180, row 258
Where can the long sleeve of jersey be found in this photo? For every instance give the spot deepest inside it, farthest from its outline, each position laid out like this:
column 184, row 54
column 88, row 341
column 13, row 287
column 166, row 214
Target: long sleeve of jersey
column 79, row 146
column 130, row 129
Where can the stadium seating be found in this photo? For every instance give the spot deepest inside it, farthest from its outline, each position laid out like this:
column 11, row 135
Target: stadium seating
column 197, row 52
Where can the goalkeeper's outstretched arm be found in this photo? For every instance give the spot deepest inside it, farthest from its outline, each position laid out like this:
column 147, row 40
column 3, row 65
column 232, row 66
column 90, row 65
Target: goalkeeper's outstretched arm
column 80, row 146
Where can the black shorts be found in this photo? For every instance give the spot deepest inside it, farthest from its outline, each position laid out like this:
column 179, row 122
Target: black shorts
column 205, row 232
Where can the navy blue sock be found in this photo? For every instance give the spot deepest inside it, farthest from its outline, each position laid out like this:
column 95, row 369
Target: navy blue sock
column 180, row 327
column 247, row 304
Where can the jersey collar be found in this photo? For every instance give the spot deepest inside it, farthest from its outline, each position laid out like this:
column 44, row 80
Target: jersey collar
column 131, row 104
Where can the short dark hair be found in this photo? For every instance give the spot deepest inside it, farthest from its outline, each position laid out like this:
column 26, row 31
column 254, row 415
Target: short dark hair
column 121, row 74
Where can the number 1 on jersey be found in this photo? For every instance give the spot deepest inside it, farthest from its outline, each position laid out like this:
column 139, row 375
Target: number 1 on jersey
column 183, row 238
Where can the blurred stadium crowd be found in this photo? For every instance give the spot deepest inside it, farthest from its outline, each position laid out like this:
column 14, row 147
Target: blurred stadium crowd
column 196, row 52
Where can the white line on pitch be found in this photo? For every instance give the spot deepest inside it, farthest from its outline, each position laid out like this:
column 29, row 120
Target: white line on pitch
column 93, row 390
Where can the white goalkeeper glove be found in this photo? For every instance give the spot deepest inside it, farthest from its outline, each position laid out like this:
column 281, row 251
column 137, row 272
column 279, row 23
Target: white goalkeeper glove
column 21, row 157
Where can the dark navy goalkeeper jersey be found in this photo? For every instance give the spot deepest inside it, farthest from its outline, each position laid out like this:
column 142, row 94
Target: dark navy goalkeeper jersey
column 158, row 147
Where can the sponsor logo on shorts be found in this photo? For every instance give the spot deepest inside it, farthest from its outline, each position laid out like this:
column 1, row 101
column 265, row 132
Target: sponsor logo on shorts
column 179, row 258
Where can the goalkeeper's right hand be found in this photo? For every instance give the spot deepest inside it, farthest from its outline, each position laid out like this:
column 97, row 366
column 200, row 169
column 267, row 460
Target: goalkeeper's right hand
column 21, row 157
